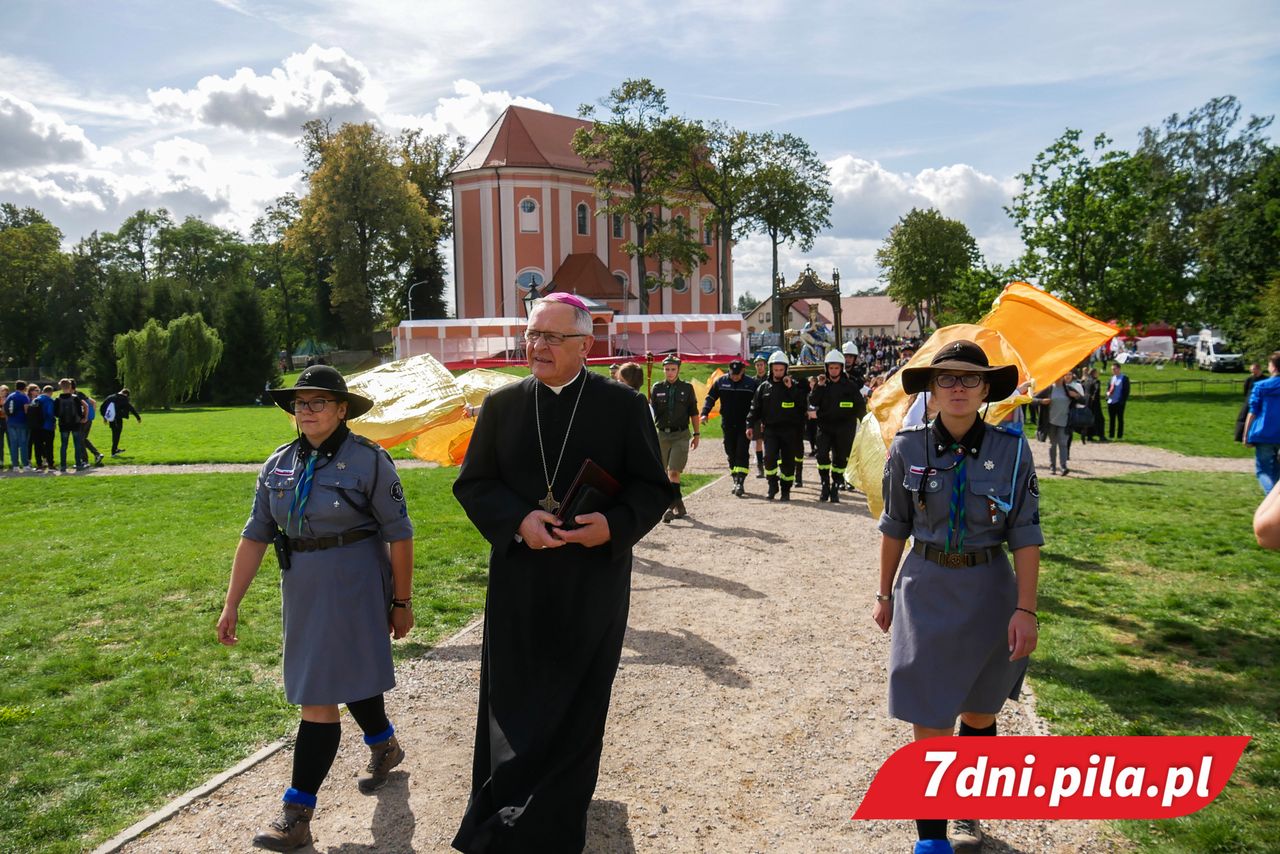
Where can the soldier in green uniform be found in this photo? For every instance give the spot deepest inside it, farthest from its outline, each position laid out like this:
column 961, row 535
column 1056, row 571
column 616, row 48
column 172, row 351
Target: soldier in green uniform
column 675, row 405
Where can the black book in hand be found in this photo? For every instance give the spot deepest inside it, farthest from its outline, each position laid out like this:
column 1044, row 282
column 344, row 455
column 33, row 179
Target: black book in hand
column 592, row 491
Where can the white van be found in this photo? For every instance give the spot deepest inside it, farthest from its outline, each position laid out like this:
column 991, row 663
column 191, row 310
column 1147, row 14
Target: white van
column 1213, row 353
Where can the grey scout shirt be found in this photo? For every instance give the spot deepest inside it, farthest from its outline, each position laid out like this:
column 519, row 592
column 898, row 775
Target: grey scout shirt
column 919, row 476
column 355, row 488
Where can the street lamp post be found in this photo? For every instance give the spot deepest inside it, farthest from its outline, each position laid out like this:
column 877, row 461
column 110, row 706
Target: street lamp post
column 530, row 298
column 409, row 296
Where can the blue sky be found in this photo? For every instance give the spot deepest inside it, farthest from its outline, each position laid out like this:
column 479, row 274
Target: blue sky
column 109, row 107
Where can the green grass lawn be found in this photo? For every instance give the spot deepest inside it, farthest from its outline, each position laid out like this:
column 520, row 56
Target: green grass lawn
column 1185, row 417
column 1158, row 615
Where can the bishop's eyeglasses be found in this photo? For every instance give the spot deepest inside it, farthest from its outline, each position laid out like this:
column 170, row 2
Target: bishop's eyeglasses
column 316, row 405
column 553, row 339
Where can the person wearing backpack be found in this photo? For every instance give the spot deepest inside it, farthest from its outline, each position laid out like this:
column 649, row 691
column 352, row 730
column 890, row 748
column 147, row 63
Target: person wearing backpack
column 71, row 413
column 91, row 412
column 116, row 410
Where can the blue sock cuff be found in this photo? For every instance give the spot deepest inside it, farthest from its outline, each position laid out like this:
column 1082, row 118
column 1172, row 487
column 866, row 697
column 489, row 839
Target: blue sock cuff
column 371, row 740
column 294, row 796
column 933, row 846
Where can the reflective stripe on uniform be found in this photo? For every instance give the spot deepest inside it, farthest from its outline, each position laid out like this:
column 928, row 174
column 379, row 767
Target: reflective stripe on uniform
column 824, row 467
column 786, row 478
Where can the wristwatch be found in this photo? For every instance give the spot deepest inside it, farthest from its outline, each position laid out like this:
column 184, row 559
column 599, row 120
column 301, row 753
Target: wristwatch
column 881, row 597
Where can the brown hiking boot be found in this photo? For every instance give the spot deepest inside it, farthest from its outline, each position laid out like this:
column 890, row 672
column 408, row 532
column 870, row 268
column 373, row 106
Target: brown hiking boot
column 292, row 829
column 966, row 836
column 382, row 758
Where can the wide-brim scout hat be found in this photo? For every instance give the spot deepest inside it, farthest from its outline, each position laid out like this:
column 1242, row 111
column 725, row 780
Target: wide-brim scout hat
column 322, row 378
column 969, row 358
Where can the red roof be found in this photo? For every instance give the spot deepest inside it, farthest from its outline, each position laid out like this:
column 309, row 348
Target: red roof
column 526, row 137
column 584, row 274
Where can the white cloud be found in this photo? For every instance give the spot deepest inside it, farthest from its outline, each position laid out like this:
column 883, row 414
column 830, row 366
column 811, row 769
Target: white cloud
column 869, row 199
column 31, row 137
column 470, row 113
column 318, row 83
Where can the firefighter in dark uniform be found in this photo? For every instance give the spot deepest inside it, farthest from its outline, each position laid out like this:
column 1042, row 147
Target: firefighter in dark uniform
column 735, row 393
column 780, row 403
column 675, row 405
column 836, row 406
column 762, row 375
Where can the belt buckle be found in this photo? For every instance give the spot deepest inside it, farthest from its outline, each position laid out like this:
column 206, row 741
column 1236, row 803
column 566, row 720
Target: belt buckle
column 955, row 560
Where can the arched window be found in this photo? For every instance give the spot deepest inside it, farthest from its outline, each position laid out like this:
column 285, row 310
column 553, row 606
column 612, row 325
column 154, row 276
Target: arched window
column 652, row 282
column 584, row 219
column 680, row 285
column 528, row 215
column 617, row 226
column 528, row 278
column 708, row 285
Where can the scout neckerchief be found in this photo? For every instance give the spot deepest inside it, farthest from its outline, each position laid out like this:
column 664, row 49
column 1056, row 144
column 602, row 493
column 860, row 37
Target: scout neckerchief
column 956, row 506
column 549, row 503
column 302, row 490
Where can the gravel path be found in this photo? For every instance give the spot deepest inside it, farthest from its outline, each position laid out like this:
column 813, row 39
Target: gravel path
column 748, row 713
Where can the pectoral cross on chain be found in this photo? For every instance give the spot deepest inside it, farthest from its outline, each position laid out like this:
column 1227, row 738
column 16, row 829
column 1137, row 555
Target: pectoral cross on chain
column 549, row 503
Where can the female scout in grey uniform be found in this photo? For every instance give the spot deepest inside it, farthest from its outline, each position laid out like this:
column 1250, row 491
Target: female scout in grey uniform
column 964, row 621
column 333, row 505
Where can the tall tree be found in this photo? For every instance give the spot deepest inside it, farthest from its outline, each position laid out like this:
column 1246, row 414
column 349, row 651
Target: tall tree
column 722, row 166
column 1090, row 221
column 278, row 271
column 790, row 197
column 637, row 153
column 365, row 216
column 427, row 161
column 201, row 258
column 923, row 258
column 121, row 306
column 248, row 362
column 1205, row 162
column 32, row 268
column 134, row 243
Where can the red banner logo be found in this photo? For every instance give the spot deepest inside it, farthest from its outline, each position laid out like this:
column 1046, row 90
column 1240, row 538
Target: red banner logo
column 1109, row 777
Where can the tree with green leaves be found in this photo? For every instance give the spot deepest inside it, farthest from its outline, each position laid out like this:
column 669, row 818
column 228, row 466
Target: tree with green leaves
column 638, row 154
column 923, row 259
column 278, row 272
column 32, row 269
column 790, row 198
column 134, row 245
column 722, row 166
column 201, row 259
column 1206, row 163
column 746, row 303
column 972, row 292
column 1090, row 221
column 163, row 365
column 364, row 216
column 427, row 160
column 248, row 361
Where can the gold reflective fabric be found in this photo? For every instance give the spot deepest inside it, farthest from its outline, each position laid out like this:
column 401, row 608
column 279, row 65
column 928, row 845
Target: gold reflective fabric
column 409, row 395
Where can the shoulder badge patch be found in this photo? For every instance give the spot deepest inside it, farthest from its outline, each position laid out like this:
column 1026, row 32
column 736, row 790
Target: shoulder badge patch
column 397, row 491
column 1033, row 484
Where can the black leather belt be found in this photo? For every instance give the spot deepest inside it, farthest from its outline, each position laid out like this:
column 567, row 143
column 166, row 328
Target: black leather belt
column 323, row 543
column 673, row 430
column 955, row 560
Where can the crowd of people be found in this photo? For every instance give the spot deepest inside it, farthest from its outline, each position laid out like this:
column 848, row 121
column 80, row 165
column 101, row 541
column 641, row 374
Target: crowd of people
column 34, row 416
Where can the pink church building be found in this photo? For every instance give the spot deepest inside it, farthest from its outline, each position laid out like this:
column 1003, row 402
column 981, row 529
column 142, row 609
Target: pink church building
column 525, row 213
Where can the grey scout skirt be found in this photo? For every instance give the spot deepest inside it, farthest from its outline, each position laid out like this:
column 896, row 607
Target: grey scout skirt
column 949, row 650
column 336, row 643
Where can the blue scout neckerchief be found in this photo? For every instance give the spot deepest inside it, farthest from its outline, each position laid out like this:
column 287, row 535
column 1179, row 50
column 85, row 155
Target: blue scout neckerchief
column 302, row 491
column 1007, row 506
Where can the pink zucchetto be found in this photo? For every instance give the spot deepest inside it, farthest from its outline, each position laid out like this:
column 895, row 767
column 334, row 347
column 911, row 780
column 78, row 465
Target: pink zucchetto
column 571, row 299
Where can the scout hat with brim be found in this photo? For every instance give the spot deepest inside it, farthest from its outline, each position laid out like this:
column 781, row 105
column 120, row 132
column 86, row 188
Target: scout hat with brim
column 322, row 378
column 966, row 357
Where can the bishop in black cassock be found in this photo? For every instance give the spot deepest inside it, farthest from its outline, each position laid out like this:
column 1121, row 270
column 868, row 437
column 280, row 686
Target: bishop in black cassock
column 556, row 609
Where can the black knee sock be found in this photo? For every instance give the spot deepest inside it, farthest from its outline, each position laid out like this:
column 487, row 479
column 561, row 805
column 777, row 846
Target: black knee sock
column 965, row 729
column 931, row 828
column 371, row 715
column 313, row 755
